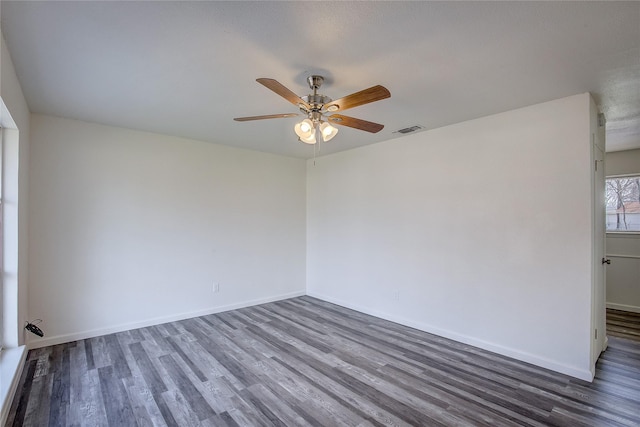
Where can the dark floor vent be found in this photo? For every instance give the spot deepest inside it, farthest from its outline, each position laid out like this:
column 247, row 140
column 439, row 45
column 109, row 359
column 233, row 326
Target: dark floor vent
column 410, row 129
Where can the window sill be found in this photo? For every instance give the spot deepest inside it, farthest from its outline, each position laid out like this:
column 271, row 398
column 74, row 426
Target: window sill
column 11, row 362
column 623, row 233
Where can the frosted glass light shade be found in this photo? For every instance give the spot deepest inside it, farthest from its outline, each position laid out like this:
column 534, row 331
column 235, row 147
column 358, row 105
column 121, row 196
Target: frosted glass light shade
column 327, row 131
column 304, row 129
column 309, row 140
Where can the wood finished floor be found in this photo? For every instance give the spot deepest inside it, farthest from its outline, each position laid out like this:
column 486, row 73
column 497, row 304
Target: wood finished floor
column 307, row 362
column 623, row 324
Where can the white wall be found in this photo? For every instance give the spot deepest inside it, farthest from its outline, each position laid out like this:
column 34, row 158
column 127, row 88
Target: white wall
column 131, row 228
column 623, row 162
column 15, row 193
column 480, row 232
column 14, row 120
column 623, row 275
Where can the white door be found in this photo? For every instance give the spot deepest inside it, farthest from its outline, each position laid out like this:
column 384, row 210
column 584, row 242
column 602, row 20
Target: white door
column 599, row 322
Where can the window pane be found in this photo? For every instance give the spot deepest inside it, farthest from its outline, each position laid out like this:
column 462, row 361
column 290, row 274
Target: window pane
column 623, row 203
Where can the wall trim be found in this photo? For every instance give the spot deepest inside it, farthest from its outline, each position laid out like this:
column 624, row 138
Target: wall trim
column 623, row 307
column 623, row 256
column 623, row 234
column 11, row 365
column 543, row 362
column 60, row 339
column 583, row 374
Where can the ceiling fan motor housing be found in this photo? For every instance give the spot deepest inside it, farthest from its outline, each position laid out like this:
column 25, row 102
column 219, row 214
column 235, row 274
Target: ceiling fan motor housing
column 316, row 101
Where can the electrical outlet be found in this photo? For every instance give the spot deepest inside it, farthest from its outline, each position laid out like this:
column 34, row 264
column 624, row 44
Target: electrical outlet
column 396, row 295
column 216, row 287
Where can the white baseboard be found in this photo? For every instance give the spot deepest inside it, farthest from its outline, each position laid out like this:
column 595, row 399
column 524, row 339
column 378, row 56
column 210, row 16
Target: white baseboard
column 583, row 374
column 60, row 339
column 623, row 307
column 11, row 365
column 586, row 375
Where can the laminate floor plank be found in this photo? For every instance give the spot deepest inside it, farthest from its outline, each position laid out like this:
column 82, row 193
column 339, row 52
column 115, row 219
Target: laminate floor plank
column 495, row 399
column 38, row 409
column 330, row 395
column 307, row 362
column 623, row 324
column 189, row 391
column 77, row 360
column 175, row 344
column 182, row 413
column 90, row 409
column 144, row 412
column 100, row 352
column 218, row 393
column 136, row 335
column 60, row 393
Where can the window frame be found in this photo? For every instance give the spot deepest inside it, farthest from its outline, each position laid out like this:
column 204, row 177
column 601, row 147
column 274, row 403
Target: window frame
column 617, row 176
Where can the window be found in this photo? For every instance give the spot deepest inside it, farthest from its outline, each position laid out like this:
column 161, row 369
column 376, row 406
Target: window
column 1, row 243
column 623, row 203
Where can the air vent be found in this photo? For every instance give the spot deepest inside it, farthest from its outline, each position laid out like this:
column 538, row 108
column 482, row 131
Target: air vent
column 410, row 129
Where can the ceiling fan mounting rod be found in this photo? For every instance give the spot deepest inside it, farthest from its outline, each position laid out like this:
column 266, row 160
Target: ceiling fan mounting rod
column 315, row 82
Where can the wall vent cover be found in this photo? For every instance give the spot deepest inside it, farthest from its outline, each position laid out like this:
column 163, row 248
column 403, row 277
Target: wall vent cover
column 410, row 129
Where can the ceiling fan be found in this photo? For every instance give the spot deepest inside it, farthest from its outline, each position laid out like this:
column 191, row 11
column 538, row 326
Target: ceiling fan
column 319, row 109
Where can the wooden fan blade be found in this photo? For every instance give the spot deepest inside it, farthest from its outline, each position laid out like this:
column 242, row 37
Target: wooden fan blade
column 269, row 116
column 374, row 93
column 281, row 90
column 352, row 122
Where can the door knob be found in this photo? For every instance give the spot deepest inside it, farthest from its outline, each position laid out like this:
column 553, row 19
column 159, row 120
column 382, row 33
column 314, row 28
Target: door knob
column 606, row 261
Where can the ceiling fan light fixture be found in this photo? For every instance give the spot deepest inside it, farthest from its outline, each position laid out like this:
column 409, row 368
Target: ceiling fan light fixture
column 304, row 129
column 327, row 131
column 311, row 139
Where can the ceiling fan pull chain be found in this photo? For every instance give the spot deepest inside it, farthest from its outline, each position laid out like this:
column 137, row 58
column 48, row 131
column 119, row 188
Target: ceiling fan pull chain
column 314, row 153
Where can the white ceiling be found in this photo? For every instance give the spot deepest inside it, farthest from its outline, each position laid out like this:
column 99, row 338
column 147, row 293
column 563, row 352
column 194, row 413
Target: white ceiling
column 188, row 68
